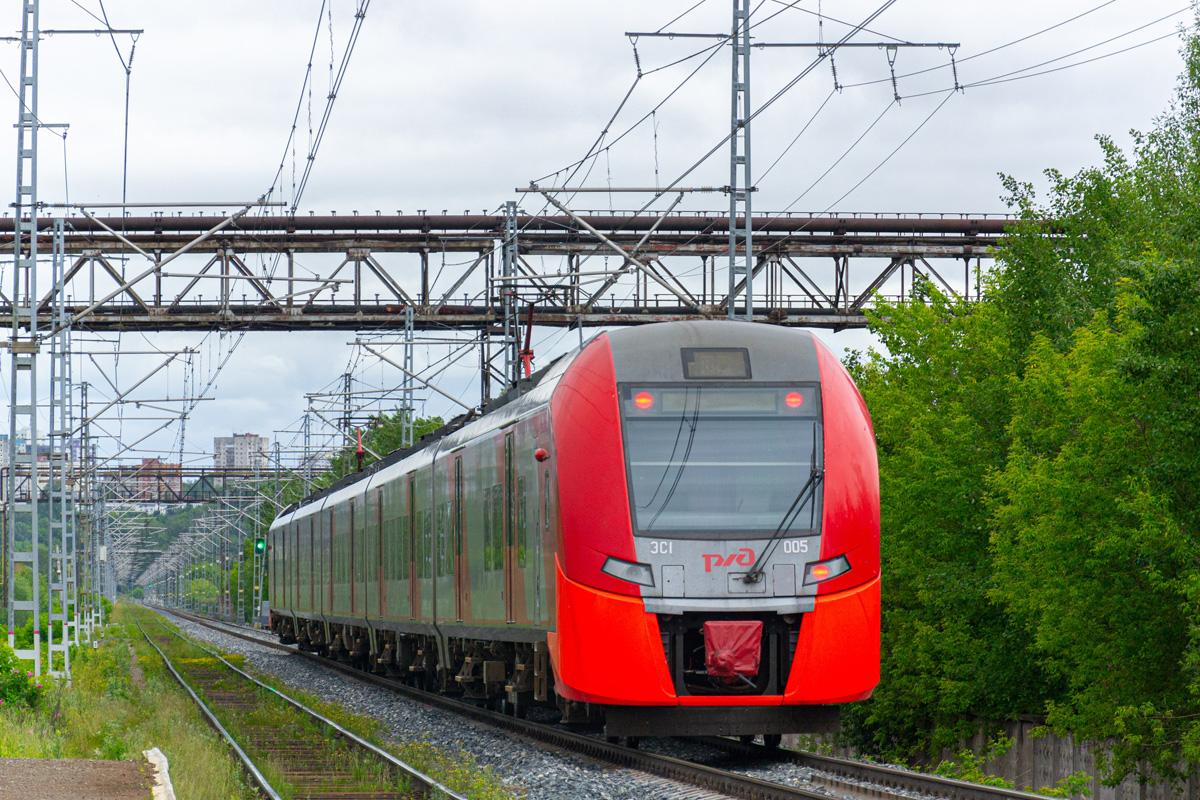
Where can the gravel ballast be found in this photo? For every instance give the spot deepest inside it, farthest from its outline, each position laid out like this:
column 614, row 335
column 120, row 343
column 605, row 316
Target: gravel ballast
column 534, row 771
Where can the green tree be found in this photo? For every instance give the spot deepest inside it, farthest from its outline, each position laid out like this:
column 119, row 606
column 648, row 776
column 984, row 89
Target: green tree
column 939, row 397
column 1040, row 467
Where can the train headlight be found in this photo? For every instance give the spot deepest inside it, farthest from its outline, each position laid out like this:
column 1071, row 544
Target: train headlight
column 820, row 571
column 631, row 571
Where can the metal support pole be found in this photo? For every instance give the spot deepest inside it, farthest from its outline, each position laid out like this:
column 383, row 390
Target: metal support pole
column 409, row 410
column 21, row 501
column 740, row 233
column 60, row 508
column 508, row 295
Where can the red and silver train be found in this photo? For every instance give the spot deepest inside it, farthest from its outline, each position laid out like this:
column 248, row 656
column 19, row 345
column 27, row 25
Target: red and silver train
column 673, row 529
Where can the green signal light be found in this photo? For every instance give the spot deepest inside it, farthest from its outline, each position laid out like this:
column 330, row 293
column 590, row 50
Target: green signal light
column 260, row 545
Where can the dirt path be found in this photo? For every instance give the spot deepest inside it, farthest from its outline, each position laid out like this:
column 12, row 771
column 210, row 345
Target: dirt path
column 135, row 669
column 48, row 779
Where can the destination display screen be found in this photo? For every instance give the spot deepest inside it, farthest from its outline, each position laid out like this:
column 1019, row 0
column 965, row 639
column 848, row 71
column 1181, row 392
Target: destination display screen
column 715, row 363
column 676, row 400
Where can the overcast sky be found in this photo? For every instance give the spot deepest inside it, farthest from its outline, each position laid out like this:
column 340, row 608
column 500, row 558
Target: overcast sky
column 451, row 105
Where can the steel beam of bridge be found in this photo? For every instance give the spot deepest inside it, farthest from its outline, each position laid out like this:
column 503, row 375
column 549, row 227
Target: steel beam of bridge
column 152, row 485
column 170, row 483
column 363, row 271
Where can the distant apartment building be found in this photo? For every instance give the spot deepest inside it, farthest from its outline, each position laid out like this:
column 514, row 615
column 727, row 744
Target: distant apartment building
column 240, row 451
column 157, row 480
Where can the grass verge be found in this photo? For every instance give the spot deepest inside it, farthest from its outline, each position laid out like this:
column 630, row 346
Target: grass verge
column 107, row 713
column 455, row 768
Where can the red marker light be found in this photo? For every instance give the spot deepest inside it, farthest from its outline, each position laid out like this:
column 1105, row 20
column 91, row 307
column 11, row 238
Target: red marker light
column 793, row 399
column 644, row 401
column 819, row 571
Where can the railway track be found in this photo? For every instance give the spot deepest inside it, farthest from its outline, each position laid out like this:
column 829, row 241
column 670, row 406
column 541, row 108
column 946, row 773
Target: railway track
column 317, row 759
column 831, row 776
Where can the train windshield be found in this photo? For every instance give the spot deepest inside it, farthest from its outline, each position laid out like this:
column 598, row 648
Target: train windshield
column 713, row 459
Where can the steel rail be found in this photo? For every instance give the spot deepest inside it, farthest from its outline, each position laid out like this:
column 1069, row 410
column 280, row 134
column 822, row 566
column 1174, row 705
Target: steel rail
column 426, row 785
column 879, row 775
column 247, row 763
column 701, row 776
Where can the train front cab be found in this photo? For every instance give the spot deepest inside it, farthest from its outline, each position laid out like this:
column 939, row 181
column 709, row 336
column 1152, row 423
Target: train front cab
column 718, row 568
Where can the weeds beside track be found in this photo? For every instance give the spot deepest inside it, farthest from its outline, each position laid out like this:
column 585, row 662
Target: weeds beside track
column 288, row 749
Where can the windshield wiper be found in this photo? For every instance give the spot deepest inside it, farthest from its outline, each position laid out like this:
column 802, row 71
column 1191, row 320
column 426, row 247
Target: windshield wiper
column 809, row 489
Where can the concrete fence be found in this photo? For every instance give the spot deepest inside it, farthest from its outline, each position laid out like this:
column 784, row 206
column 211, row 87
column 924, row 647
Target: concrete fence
column 1041, row 761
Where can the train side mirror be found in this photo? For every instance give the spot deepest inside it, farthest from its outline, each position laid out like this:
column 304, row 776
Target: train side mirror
column 540, row 454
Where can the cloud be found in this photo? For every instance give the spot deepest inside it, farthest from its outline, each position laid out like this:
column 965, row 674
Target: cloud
column 452, row 105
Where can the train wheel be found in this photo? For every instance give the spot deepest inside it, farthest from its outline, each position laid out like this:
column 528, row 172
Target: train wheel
column 628, row 741
column 772, row 740
column 518, row 708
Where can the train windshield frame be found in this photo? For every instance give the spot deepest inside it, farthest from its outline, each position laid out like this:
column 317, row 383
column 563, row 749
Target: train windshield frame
column 721, row 460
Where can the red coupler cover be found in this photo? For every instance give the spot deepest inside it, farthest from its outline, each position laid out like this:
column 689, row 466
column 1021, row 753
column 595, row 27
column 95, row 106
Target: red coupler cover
column 732, row 648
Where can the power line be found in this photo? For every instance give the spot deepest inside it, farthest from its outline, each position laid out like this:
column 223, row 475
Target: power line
column 1016, row 75
column 299, row 102
column 990, row 50
column 1109, row 40
column 796, row 138
column 359, row 16
column 681, row 16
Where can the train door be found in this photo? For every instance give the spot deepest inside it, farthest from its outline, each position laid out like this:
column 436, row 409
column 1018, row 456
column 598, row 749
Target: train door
column 364, row 549
column 352, row 574
column 296, row 559
column 313, row 571
column 280, row 561
column 510, row 505
column 422, row 500
column 460, row 562
column 410, row 565
column 327, row 539
column 380, row 594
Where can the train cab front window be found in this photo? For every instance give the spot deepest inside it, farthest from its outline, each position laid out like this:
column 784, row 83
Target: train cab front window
column 713, row 459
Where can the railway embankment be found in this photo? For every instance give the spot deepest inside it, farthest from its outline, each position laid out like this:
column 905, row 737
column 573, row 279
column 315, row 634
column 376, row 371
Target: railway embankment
column 120, row 703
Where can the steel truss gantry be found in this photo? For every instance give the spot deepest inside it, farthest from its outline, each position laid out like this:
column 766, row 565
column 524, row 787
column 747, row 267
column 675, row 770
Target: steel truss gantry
column 206, row 568
column 368, row 271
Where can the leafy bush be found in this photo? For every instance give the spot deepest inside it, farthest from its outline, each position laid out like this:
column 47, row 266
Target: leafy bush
column 17, row 686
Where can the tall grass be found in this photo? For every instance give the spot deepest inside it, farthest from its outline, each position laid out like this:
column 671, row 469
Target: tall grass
column 452, row 766
column 106, row 715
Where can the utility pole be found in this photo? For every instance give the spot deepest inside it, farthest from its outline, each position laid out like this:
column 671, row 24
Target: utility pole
column 741, row 177
column 508, row 294
column 22, row 489
column 739, row 161
column 21, row 505
column 409, row 412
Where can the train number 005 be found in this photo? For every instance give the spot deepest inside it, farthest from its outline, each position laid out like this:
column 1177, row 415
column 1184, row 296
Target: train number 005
column 660, row 548
column 795, row 546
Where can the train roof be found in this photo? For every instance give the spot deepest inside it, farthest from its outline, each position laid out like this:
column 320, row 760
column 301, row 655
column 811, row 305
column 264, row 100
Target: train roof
column 518, row 400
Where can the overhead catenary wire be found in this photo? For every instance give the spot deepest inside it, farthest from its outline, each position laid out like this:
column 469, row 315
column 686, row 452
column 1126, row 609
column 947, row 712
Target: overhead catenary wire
column 990, row 50
column 1033, row 70
column 359, row 16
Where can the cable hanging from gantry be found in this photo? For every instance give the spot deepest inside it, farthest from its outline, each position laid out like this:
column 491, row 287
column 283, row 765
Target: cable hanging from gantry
column 837, row 87
column 954, row 69
column 892, row 51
